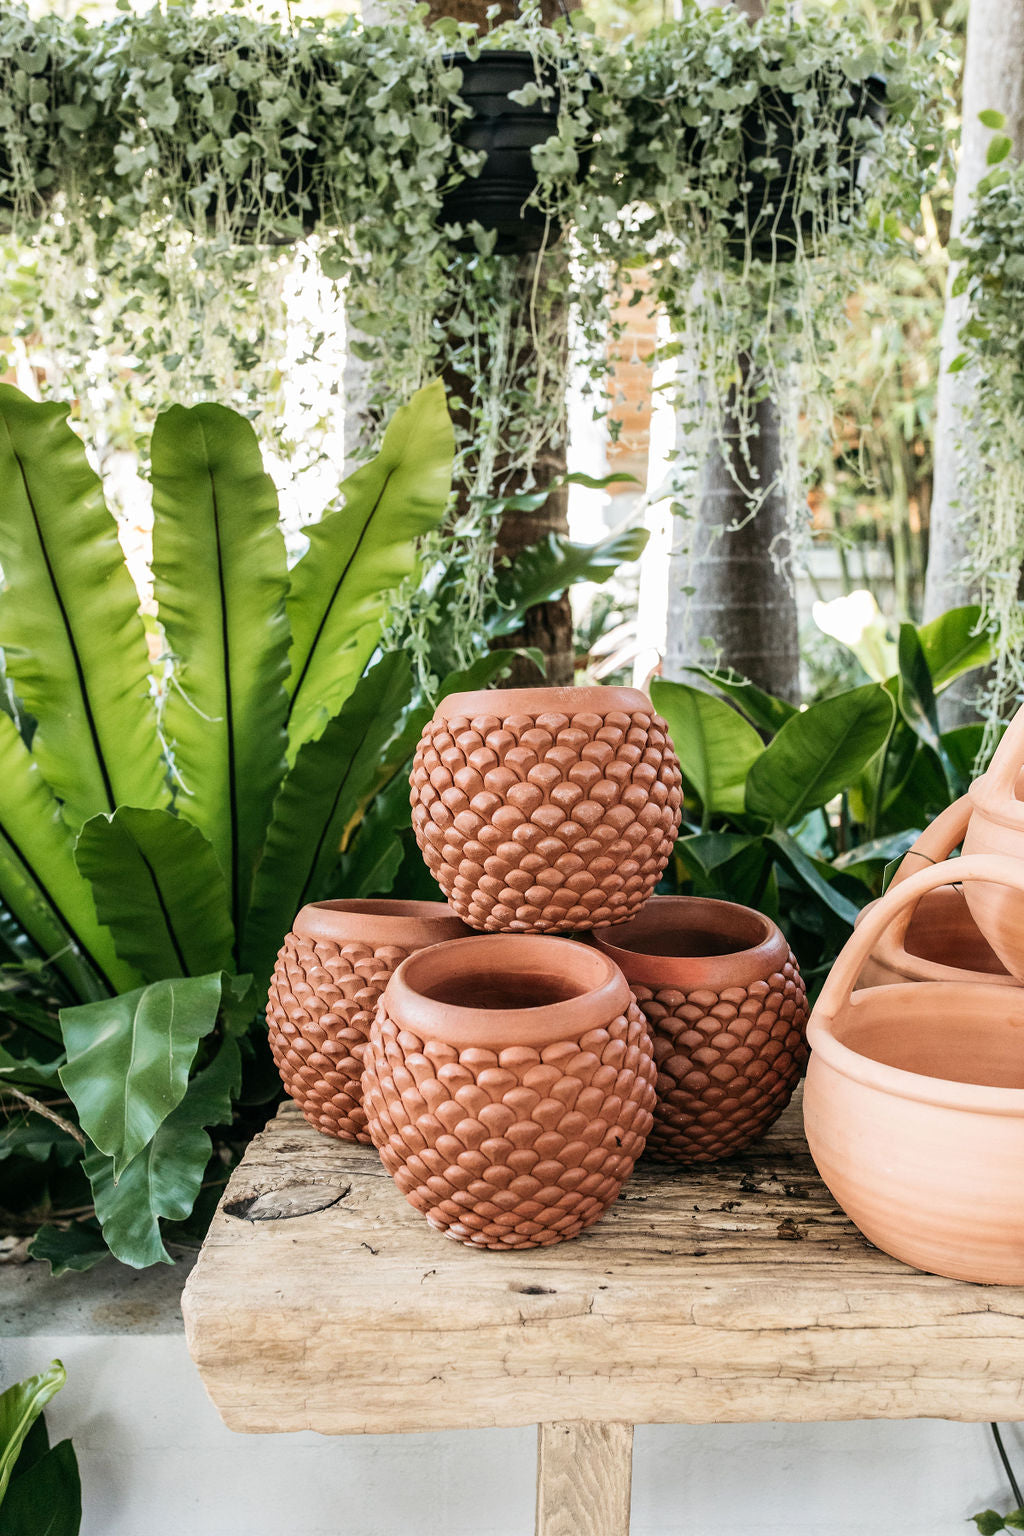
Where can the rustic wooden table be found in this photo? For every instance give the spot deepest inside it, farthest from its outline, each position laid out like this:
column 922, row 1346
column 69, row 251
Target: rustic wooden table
column 321, row 1300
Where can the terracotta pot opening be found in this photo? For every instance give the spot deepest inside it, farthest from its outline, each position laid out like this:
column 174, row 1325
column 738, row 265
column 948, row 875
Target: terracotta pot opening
column 686, row 928
column 384, row 907
column 512, row 991
column 929, row 1042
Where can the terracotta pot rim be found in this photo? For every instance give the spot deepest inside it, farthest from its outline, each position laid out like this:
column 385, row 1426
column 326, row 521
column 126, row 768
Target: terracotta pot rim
column 504, row 702
column 898, row 1082
column 1003, row 809
column 737, row 968
column 379, row 921
column 603, row 992
column 898, row 958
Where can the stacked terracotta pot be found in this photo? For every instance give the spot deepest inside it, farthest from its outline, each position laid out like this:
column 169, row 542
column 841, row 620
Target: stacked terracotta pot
column 914, row 1106
column 510, row 1081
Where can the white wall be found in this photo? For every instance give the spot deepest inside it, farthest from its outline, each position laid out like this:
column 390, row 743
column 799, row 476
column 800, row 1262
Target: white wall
column 156, row 1461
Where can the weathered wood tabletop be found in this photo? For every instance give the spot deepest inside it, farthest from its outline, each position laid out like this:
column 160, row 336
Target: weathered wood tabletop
column 323, row 1301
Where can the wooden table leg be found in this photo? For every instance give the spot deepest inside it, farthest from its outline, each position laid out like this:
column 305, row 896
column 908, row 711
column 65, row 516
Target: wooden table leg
column 584, row 1472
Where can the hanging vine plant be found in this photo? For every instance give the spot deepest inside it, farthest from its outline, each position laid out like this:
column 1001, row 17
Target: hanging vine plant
column 767, row 169
column 991, row 250
column 35, row 60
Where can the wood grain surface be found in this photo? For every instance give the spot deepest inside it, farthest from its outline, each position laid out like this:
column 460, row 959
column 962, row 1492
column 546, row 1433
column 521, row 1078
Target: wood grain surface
column 737, row 1292
column 584, row 1478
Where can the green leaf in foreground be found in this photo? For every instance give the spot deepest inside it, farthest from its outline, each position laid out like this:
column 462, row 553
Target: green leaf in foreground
column 715, row 745
column 159, row 888
column 953, row 644
column 75, row 1248
column 45, row 1499
column 818, row 753
column 766, row 711
column 164, row 1179
column 129, row 1059
column 20, row 1406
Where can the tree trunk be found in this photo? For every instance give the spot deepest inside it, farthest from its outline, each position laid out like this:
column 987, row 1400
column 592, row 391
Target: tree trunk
column 548, row 627
column 741, row 612
column 993, row 79
column 731, row 600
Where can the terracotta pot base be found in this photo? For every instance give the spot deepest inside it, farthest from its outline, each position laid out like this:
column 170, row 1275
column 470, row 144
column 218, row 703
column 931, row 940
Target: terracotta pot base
column 509, row 1126
column 722, row 993
column 329, row 976
column 546, row 810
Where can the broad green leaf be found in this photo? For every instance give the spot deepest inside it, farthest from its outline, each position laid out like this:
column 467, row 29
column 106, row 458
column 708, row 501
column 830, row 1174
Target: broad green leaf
column 917, row 700
column 716, row 747
column 129, row 1058
column 20, row 1406
column 989, row 1523
column 46, row 1499
column 69, row 1249
column 358, row 555
column 991, row 118
column 818, row 753
column 375, row 855
column 69, row 621
column 220, row 578
column 40, row 883
column 165, row 1178
column 813, row 874
column 953, row 645
column 729, row 867
column 962, row 746
column 321, row 797
column 543, row 571
column 883, row 849
column 708, row 851
column 159, row 888
column 765, row 711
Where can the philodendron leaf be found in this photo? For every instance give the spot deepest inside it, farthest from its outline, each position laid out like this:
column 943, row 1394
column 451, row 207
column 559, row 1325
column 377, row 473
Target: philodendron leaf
column 69, row 620
column 159, row 889
column 716, row 747
column 320, row 799
column 358, row 555
column 46, row 1499
column 953, row 644
column 69, row 1249
column 20, row 1406
column 220, row 579
column 917, row 700
column 818, row 753
column 766, row 711
column 165, row 1178
column 543, row 571
column 40, row 883
column 128, row 1059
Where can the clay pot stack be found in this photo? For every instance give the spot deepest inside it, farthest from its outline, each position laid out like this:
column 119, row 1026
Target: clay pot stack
column 510, row 1080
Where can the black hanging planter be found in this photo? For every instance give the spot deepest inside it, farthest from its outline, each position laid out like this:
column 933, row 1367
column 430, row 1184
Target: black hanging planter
column 766, row 208
column 506, row 133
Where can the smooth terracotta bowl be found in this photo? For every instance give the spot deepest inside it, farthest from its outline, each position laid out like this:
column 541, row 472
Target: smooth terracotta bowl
column 942, row 941
column 914, row 1102
column 330, row 973
column 997, row 827
column 544, row 810
column 509, row 1084
column 726, row 1004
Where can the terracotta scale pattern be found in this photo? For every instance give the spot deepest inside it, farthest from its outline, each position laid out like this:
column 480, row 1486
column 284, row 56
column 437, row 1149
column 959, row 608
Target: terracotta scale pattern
column 727, row 1063
column 546, row 823
column 517, row 1149
column 322, row 1000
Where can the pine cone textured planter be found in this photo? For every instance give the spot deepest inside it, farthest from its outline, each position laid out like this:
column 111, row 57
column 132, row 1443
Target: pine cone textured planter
column 726, row 1005
column 330, row 973
column 509, row 1086
column 544, row 810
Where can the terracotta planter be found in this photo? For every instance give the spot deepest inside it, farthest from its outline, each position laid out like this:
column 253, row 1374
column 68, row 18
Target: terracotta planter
column 330, row 973
column 726, row 1006
column 997, row 826
column 914, row 1104
column 509, row 1084
column 942, row 941
column 543, row 810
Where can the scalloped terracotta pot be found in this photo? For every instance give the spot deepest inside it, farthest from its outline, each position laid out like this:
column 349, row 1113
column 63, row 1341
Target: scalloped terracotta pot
column 330, row 973
column 942, row 941
column 509, row 1084
column 726, row 1005
column 914, row 1102
column 544, row 810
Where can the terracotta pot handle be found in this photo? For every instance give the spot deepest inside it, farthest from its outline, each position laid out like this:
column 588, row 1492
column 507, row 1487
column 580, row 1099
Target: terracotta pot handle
column 937, row 841
column 896, row 907
column 1008, row 759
